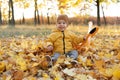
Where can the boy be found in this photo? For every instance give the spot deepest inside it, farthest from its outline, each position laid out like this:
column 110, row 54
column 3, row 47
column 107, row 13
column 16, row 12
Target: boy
column 61, row 41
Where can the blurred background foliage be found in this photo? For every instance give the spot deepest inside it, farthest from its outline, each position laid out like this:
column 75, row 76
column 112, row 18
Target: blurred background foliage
column 40, row 12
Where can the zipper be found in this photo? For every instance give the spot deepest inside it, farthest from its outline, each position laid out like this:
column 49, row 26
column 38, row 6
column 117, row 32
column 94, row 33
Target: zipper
column 63, row 42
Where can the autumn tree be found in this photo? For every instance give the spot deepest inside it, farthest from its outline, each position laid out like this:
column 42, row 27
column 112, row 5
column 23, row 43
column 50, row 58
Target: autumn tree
column 98, row 5
column 11, row 13
column 41, row 6
column 24, row 4
column 107, row 2
column 36, row 14
column 98, row 12
column 105, row 22
column 66, row 6
column 0, row 13
column 51, row 9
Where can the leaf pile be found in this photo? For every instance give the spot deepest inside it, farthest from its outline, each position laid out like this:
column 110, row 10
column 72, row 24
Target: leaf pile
column 20, row 59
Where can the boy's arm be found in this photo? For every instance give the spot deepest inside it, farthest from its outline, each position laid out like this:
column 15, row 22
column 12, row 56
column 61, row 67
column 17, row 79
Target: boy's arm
column 48, row 42
column 88, row 37
column 76, row 39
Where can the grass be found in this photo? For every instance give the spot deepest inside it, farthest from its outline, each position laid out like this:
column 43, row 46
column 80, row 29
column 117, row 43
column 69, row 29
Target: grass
column 25, row 30
column 44, row 30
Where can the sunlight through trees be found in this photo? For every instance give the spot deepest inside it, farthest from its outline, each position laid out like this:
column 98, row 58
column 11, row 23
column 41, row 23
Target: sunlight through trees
column 42, row 11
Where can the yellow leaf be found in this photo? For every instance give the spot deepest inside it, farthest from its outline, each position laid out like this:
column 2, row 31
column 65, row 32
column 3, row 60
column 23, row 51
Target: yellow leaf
column 91, row 1
column 2, row 66
column 81, row 77
column 21, row 62
column 16, row 0
column 9, row 66
column 26, row 5
column 33, row 47
column 108, row 55
column 109, row 72
column 24, row 44
column 116, row 74
column 100, row 54
column 31, row 78
column 56, row 78
column 8, row 77
column 1, row 52
column 45, row 75
column 4, row 76
column 69, row 72
column 35, row 64
column 116, row 43
column 118, row 56
column 102, row 71
column 89, row 62
column 99, row 63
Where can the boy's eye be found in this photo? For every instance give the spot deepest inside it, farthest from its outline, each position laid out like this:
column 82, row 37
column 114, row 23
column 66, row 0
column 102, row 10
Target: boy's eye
column 59, row 23
column 63, row 22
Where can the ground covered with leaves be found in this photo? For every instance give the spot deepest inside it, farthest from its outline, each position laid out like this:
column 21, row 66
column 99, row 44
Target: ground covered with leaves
column 20, row 59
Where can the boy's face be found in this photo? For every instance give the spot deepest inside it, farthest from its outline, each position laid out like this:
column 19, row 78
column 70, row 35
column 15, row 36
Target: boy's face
column 61, row 25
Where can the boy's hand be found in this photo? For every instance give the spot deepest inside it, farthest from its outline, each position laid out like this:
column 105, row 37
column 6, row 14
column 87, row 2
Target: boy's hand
column 49, row 48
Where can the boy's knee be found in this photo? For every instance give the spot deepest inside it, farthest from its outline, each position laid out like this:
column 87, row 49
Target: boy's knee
column 55, row 56
column 73, row 54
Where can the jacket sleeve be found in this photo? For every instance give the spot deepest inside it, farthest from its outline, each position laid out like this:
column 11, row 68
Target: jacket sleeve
column 76, row 39
column 49, row 40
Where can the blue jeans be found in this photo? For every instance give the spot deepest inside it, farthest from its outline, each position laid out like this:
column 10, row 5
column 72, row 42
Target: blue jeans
column 72, row 54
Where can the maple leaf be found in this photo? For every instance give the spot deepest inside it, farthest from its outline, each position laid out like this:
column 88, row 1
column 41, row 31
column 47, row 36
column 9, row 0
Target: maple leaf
column 9, row 77
column 118, row 56
column 116, row 71
column 21, row 62
column 1, row 51
column 2, row 66
column 24, row 44
column 105, row 64
column 99, row 64
column 18, row 75
column 89, row 62
column 109, row 72
column 69, row 72
column 45, row 75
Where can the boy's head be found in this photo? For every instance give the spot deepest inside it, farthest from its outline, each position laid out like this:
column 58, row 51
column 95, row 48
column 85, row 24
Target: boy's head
column 62, row 22
column 63, row 17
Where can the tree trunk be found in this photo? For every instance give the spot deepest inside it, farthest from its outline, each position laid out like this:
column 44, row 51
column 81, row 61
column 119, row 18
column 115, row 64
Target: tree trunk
column 36, row 14
column 9, row 12
column 98, row 13
column 38, row 17
column 35, row 18
column 11, row 21
column 41, row 18
column 23, row 19
column 104, row 15
column 48, row 18
column 0, row 17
